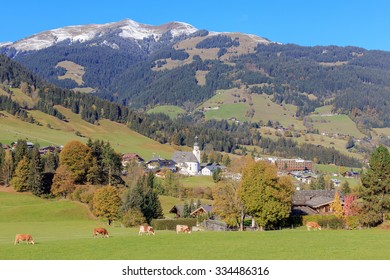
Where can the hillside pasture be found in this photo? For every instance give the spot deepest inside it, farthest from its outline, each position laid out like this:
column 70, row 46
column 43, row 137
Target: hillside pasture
column 170, row 110
column 53, row 131
column 232, row 105
column 62, row 235
column 74, row 71
column 336, row 124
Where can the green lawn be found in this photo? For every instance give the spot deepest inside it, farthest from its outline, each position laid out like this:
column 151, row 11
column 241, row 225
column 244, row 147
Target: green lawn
column 62, row 233
column 198, row 181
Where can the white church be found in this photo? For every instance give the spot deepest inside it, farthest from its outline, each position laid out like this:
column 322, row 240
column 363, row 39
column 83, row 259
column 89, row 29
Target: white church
column 188, row 163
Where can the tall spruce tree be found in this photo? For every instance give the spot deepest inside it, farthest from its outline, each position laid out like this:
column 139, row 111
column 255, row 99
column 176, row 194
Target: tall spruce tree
column 376, row 188
column 35, row 173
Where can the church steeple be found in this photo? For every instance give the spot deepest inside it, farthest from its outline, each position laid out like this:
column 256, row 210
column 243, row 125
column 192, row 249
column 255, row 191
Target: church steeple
column 196, row 150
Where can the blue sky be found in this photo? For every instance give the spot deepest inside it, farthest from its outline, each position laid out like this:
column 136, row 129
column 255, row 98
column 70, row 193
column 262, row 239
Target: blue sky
column 329, row 22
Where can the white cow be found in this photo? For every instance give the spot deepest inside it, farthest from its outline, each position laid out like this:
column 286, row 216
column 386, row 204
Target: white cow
column 146, row 229
column 182, row 228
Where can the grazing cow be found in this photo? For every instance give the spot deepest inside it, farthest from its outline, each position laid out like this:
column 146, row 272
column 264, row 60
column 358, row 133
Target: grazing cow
column 182, row 228
column 146, row 229
column 314, row 225
column 24, row 237
column 101, row 231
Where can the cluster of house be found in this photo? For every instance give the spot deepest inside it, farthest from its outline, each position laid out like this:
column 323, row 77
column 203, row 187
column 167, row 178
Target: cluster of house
column 305, row 202
column 186, row 163
column 42, row 150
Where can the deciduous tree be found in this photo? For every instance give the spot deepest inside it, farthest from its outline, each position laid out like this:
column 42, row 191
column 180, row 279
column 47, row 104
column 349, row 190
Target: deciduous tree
column 336, row 206
column 266, row 197
column 63, row 182
column 106, row 203
column 76, row 156
column 20, row 180
column 228, row 204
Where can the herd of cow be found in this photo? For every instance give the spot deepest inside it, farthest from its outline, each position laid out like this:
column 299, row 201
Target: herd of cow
column 104, row 233
column 148, row 230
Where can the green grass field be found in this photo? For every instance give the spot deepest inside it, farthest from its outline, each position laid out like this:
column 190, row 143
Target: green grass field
column 63, row 231
column 122, row 139
column 170, row 110
column 332, row 124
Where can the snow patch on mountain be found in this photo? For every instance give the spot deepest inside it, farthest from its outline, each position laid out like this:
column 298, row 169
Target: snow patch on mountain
column 127, row 28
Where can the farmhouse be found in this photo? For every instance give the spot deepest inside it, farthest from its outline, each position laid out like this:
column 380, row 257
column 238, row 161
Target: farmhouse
column 129, row 157
column 210, row 168
column 202, row 210
column 157, row 163
column 188, row 163
column 312, row 202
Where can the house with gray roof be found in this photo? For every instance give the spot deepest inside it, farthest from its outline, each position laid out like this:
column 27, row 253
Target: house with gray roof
column 312, row 202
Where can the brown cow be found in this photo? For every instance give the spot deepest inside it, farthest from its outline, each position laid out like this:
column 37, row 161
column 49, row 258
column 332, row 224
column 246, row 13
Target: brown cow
column 182, row 228
column 101, row 231
column 146, row 229
column 24, row 237
column 314, row 225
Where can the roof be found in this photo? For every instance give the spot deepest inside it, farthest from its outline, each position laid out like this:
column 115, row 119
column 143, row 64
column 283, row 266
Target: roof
column 202, row 208
column 177, row 209
column 302, row 210
column 131, row 156
column 213, row 167
column 181, row 157
column 313, row 198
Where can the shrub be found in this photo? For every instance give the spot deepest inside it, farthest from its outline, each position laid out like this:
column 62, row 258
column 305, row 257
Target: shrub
column 170, row 224
column 133, row 217
column 385, row 225
column 83, row 194
column 325, row 221
column 352, row 222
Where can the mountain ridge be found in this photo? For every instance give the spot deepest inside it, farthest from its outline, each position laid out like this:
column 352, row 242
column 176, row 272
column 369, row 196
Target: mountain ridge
column 188, row 66
column 83, row 33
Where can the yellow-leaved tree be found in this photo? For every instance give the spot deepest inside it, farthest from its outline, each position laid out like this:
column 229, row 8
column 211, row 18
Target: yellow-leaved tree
column 266, row 197
column 337, row 207
column 228, row 204
column 106, row 203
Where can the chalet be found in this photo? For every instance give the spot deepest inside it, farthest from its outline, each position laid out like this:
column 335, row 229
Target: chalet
column 49, row 149
column 30, row 145
column 350, row 174
column 177, row 210
column 313, row 202
column 188, row 163
column 157, row 163
column 210, row 168
column 202, row 210
column 129, row 157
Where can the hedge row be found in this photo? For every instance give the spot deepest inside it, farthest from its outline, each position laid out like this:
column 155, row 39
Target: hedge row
column 325, row 221
column 170, row 224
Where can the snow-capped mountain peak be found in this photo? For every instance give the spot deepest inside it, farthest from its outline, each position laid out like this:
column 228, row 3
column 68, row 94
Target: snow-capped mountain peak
column 127, row 28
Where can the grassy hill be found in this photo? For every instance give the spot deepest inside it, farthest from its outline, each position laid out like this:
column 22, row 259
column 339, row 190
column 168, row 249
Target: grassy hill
column 53, row 131
column 63, row 231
